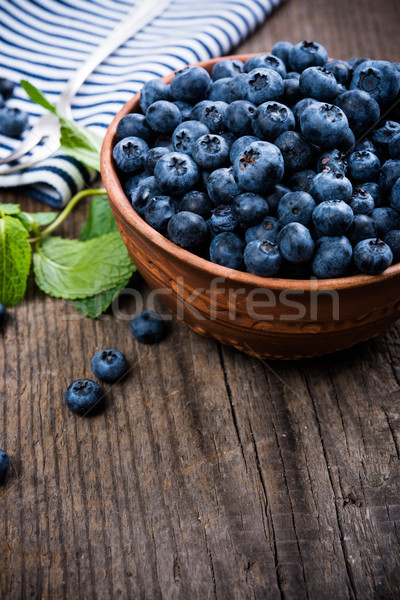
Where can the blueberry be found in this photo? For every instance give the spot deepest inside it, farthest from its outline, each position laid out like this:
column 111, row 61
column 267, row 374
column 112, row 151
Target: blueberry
column 3, row 315
column 263, row 85
column 389, row 174
column 372, row 188
column 197, row 202
column 377, row 77
column 213, row 116
column 295, row 243
column 333, row 217
column 130, row 154
column 6, row 87
column 13, row 121
column 372, row 256
column 222, row 187
column 109, row 365
column 135, row 125
column 363, row 227
column 226, row 249
column 395, row 196
column 267, row 230
column 239, row 117
column 241, row 143
column 236, row 88
column 319, row 83
column 148, row 327
column 163, row 116
column 363, row 166
column 291, row 92
column 210, row 151
column 365, row 144
column 262, row 258
column 198, row 109
column 341, row 70
column 361, row 110
column 271, row 119
column 296, row 151
column 265, row 61
column 259, row 167
column 394, row 146
column 282, row 50
column 301, row 106
column 386, row 219
column 293, row 75
column 392, row 239
column 332, row 160
column 296, row 207
column 186, row 134
column 362, row 202
column 249, row 209
column 187, row 229
column 331, row 185
column 332, row 257
column 185, row 108
column 222, row 219
column 176, row 173
column 228, row 67
column 140, row 196
column 301, row 180
column 158, row 211
column 219, row 90
column 152, row 91
column 4, row 463
column 307, row 54
column 324, row 125
column 153, row 155
column 190, row 84
column 382, row 136
column 83, row 396
column 274, row 195
column 164, row 141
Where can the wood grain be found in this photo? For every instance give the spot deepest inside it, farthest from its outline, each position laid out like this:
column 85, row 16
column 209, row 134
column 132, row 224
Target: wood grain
column 210, row 474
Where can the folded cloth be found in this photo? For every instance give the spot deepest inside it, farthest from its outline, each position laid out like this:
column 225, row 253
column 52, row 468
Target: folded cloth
column 44, row 41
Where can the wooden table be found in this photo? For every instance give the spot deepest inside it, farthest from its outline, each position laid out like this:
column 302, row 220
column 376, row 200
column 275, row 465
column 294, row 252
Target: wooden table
column 211, row 474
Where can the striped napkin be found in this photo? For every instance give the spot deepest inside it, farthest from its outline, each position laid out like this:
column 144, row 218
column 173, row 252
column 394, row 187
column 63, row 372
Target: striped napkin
column 44, row 41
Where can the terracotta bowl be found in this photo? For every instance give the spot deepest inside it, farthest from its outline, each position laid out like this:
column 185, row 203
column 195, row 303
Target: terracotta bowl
column 266, row 317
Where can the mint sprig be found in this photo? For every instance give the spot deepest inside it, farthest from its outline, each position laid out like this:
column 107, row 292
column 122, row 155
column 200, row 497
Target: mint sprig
column 91, row 270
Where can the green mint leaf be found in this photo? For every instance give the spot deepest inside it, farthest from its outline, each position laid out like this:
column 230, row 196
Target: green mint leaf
column 9, row 209
column 32, row 220
column 36, row 96
column 93, row 307
column 15, row 260
column 73, row 269
column 100, row 219
column 79, row 142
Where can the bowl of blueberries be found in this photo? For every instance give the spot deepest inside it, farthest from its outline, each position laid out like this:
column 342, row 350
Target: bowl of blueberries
column 259, row 195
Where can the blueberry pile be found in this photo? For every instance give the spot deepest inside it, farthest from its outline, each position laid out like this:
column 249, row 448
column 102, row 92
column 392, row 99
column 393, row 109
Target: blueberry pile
column 286, row 165
column 13, row 121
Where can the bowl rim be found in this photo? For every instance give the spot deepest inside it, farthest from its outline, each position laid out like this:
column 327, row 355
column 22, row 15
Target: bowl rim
column 118, row 197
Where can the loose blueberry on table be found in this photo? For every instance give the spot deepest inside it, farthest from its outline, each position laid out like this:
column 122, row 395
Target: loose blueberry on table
column 148, row 327
column 83, row 396
column 286, row 165
column 109, row 365
column 4, row 465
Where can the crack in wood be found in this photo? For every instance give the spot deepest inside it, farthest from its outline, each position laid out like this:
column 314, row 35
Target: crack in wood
column 346, row 558
column 268, row 513
column 231, row 403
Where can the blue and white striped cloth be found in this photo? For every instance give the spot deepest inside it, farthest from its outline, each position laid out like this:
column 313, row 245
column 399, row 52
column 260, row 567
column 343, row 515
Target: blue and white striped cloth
column 44, row 41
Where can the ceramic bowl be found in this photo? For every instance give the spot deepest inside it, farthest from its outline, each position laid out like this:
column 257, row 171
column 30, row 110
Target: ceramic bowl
column 266, row 317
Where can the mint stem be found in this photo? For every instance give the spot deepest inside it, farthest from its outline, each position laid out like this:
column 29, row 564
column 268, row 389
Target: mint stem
column 64, row 214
